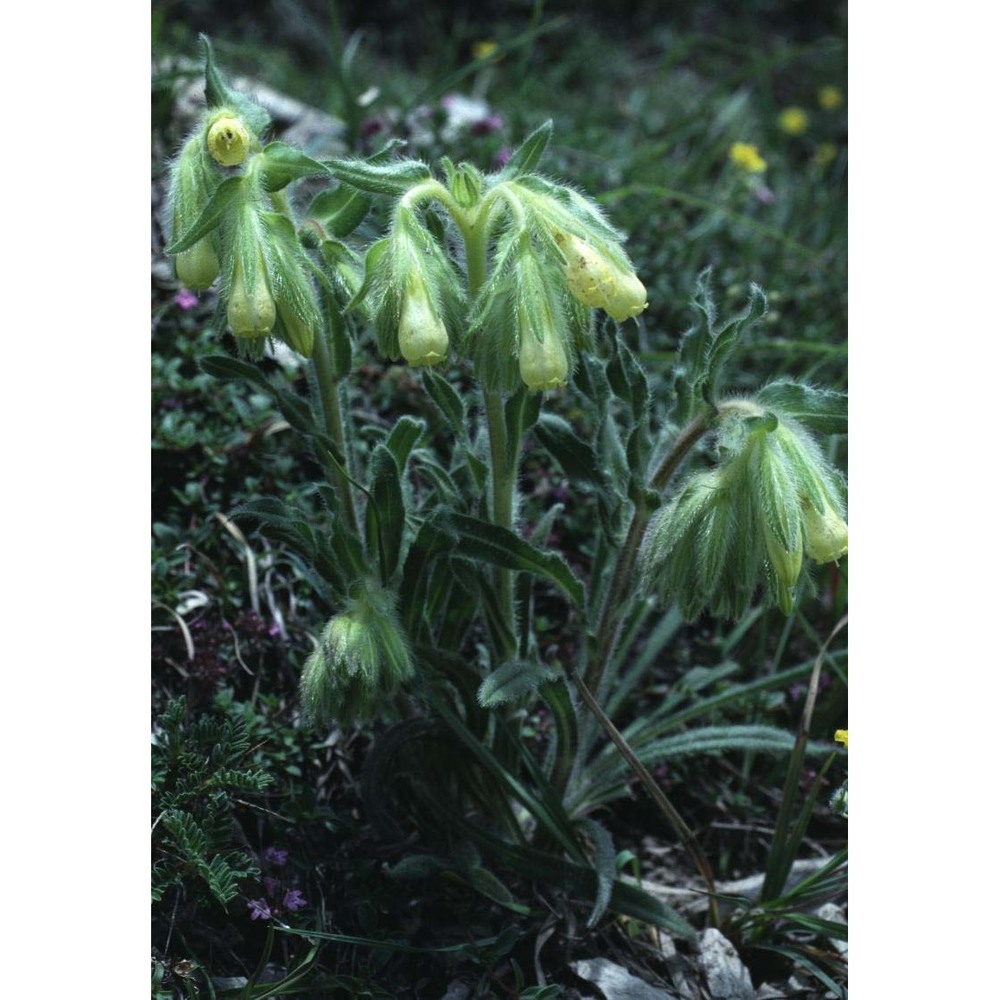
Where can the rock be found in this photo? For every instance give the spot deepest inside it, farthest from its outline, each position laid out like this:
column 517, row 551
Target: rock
column 457, row 990
column 617, row 983
column 726, row 977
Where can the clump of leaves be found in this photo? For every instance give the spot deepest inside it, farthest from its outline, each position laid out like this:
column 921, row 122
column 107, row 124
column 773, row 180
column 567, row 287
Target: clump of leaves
column 198, row 766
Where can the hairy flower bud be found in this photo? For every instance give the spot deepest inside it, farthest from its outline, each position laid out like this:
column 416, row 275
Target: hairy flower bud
column 599, row 282
column 423, row 339
column 192, row 182
column 787, row 565
column 825, row 534
column 542, row 358
column 251, row 310
column 361, row 660
column 198, row 266
column 228, row 140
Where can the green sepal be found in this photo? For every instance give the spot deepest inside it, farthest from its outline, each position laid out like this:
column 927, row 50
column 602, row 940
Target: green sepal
column 822, row 410
column 379, row 178
column 282, row 164
column 225, row 196
column 526, row 157
column 218, row 94
column 513, row 680
column 385, row 515
column 373, row 261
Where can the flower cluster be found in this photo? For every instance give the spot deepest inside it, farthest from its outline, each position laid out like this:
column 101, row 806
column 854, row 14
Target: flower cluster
column 750, row 520
column 278, row 899
column 361, row 661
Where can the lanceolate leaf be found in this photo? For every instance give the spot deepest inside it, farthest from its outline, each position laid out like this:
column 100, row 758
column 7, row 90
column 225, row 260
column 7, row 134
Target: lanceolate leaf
column 605, row 868
column 224, row 196
column 379, row 178
column 526, row 157
column 386, row 512
column 284, row 164
column 496, row 545
column 822, row 410
column 340, row 211
column 513, row 680
column 404, row 436
column 575, row 455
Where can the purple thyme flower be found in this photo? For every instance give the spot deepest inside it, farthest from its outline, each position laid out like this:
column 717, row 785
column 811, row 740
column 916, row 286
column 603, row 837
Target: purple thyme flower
column 259, row 910
column 294, row 900
column 186, row 299
column 276, row 856
column 491, row 123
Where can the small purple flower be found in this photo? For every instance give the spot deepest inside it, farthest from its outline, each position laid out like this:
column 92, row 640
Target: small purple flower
column 503, row 157
column 259, row 910
column 186, row 299
column 276, row 856
column 294, row 900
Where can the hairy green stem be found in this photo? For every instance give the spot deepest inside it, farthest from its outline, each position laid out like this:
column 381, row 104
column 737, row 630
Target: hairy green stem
column 333, row 420
column 624, row 574
column 656, row 793
column 503, row 467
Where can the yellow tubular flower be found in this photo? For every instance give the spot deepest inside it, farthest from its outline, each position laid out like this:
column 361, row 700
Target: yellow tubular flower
column 228, row 141
column 423, row 339
column 543, row 362
column 840, row 736
column 825, row 534
column 597, row 282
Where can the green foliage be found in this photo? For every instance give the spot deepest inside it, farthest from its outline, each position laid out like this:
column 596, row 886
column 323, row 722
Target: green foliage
column 198, row 766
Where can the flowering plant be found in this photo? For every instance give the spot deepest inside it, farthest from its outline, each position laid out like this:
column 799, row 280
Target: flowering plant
column 506, row 294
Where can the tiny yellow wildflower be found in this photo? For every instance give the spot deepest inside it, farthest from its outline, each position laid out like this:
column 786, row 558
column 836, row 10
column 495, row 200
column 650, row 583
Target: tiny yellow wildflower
column 829, row 98
column 747, row 157
column 483, row 50
column 826, row 153
column 793, row 121
column 840, row 736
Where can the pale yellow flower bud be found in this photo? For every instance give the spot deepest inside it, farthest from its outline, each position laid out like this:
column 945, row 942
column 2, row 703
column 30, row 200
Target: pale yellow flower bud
column 825, row 534
column 543, row 363
column 251, row 310
column 228, row 141
column 599, row 283
column 198, row 266
column 423, row 339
